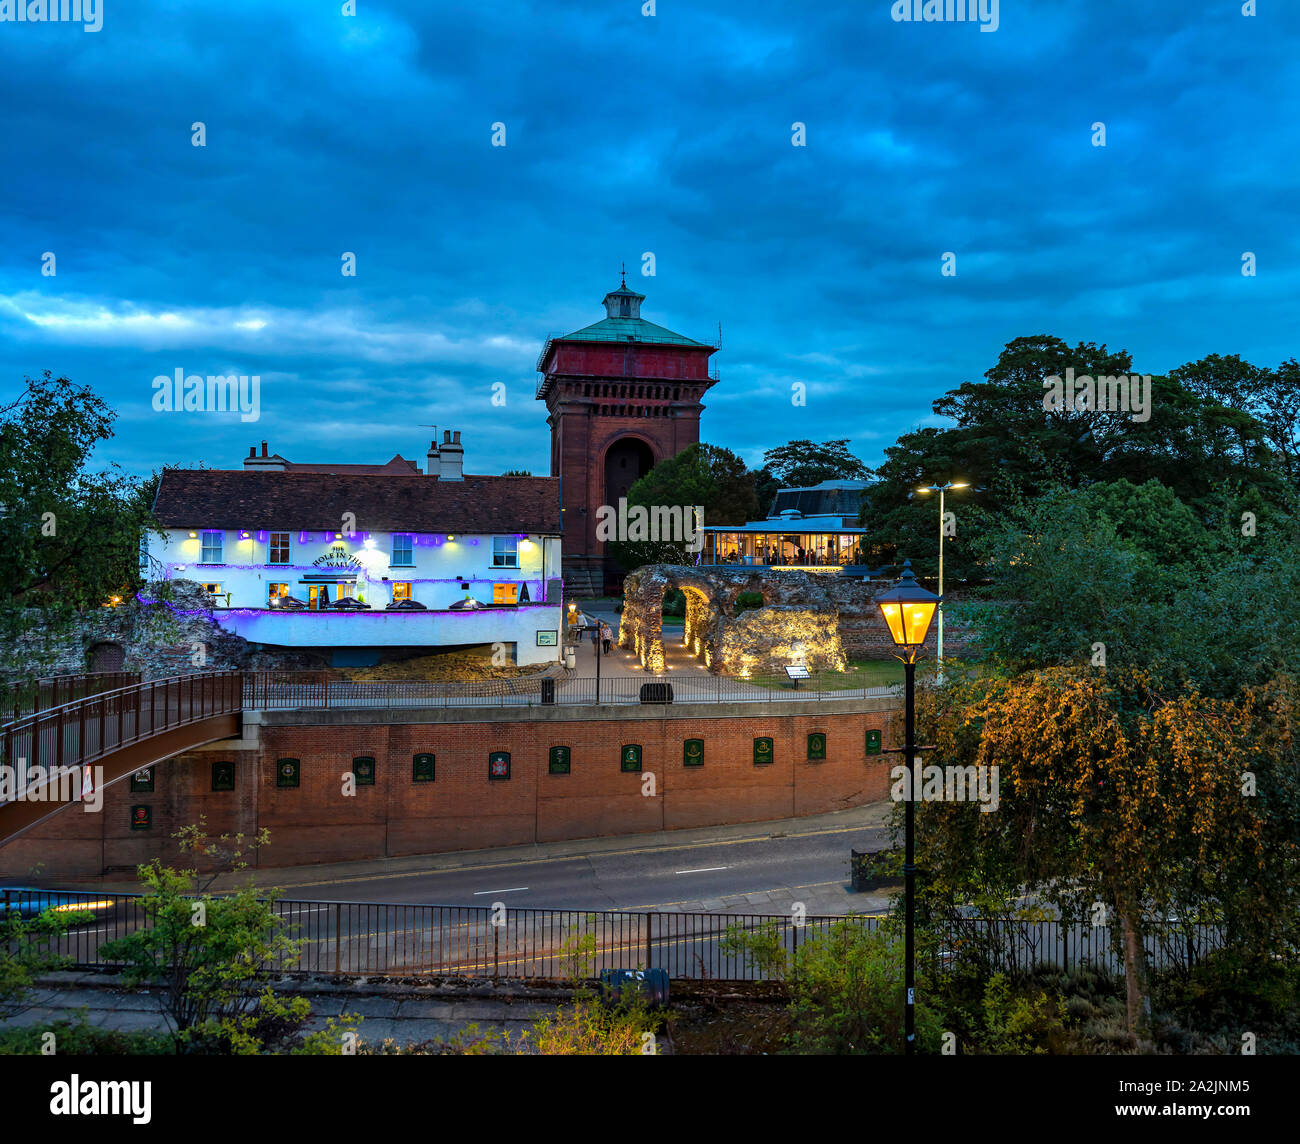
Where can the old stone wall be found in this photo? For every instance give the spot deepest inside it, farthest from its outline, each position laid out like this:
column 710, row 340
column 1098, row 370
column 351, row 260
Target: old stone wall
column 158, row 638
column 833, row 617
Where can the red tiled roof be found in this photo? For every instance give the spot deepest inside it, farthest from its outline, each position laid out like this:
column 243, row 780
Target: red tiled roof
column 398, row 466
column 229, row 498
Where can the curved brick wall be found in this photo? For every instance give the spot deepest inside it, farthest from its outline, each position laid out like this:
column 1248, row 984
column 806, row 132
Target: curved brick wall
column 463, row 808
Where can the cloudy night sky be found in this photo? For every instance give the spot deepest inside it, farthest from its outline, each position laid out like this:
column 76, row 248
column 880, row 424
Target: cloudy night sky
column 628, row 135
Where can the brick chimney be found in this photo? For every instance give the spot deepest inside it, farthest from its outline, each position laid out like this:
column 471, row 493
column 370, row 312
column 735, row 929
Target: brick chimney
column 452, row 455
column 272, row 462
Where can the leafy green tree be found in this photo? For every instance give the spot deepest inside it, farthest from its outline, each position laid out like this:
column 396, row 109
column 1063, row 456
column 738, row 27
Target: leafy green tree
column 705, row 475
column 210, row 956
column 1071, row 588
column 25, row 952
column 800, row 464
column 1118, row 794
column 1006, row 444
column 69, row 537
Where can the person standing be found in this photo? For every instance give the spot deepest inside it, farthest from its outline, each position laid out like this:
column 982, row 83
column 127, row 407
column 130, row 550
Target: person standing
column 606, row 636
column 595, row 638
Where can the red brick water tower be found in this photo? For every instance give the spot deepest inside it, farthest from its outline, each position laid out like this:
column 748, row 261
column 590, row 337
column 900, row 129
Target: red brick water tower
column 622, row 395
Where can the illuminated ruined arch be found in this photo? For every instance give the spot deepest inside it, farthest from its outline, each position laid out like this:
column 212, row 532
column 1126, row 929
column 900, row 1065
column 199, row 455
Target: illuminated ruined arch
column 798, row 621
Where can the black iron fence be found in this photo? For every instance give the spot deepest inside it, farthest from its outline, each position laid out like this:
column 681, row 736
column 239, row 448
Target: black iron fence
column 360, row 938
column 294, row 690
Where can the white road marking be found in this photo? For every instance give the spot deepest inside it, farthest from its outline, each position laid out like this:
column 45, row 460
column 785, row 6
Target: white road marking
column 704, row 870
column 512, row 890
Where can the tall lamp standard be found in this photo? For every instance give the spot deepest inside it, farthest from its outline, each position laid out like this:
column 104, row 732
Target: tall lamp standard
column 941, row 489
column 908, row 611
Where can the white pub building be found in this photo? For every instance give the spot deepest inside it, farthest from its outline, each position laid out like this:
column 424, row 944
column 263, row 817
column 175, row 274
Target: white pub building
column 360, row 560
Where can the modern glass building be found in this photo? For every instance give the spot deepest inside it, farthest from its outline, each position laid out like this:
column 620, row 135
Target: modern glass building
column 809, row 530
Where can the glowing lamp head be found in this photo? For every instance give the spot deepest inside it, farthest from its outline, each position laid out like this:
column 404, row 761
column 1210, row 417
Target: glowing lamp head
column 338, row 536
column 193, row 535
column 908, row 610
column 245, row 535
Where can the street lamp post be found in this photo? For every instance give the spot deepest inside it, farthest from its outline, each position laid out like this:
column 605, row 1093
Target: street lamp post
column 908, row 611
column 941, row 489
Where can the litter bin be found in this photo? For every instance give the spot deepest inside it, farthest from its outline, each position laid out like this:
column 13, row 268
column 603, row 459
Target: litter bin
column 652, row 984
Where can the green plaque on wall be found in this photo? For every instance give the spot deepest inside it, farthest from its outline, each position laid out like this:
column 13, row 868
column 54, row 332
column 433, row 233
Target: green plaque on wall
column 287, row 772
column 141, row 817
column 422, row 768
column 142, row 781
column 817, row 745
column 630, row 757
column 223, row 776
column 762, row 751
column 559, row 764
column 363, row 768
column 873, row 742
column 499, row 766
column 693, row 753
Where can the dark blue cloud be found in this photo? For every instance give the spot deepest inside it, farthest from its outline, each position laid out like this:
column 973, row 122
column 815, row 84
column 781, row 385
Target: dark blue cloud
column 628, row 134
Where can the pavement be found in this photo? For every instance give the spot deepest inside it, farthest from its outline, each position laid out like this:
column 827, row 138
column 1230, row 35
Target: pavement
column 403, row 1013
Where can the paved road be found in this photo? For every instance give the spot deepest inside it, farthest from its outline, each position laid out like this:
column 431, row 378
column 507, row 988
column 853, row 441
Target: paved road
column 758, row 873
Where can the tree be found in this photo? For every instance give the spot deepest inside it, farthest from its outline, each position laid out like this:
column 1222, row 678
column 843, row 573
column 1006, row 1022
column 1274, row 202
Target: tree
column 1072, row 587
column 517, row 473
column 1012, row 448
column 1119, row 803
column 69, row 538
column 800, row 464
column 700, row 475
column 25, row 955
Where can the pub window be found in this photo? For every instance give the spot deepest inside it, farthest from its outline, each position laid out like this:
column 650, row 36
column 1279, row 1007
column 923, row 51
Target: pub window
column 499, row 766
column 212, row 589
column 817, row 745
column 212, row 548
column 422, row 768
column 276, row 592
column 277, row 548
column 287, row 772
column 141, row 817
column 630, row 758
column 693, row 753
column 223, row 776
column 505, row 552
column 559, row 762
column 505, row 593
column 402, row 549
column 762, row 751
column 401, row 590
column 142, row 781
column 363, row 770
